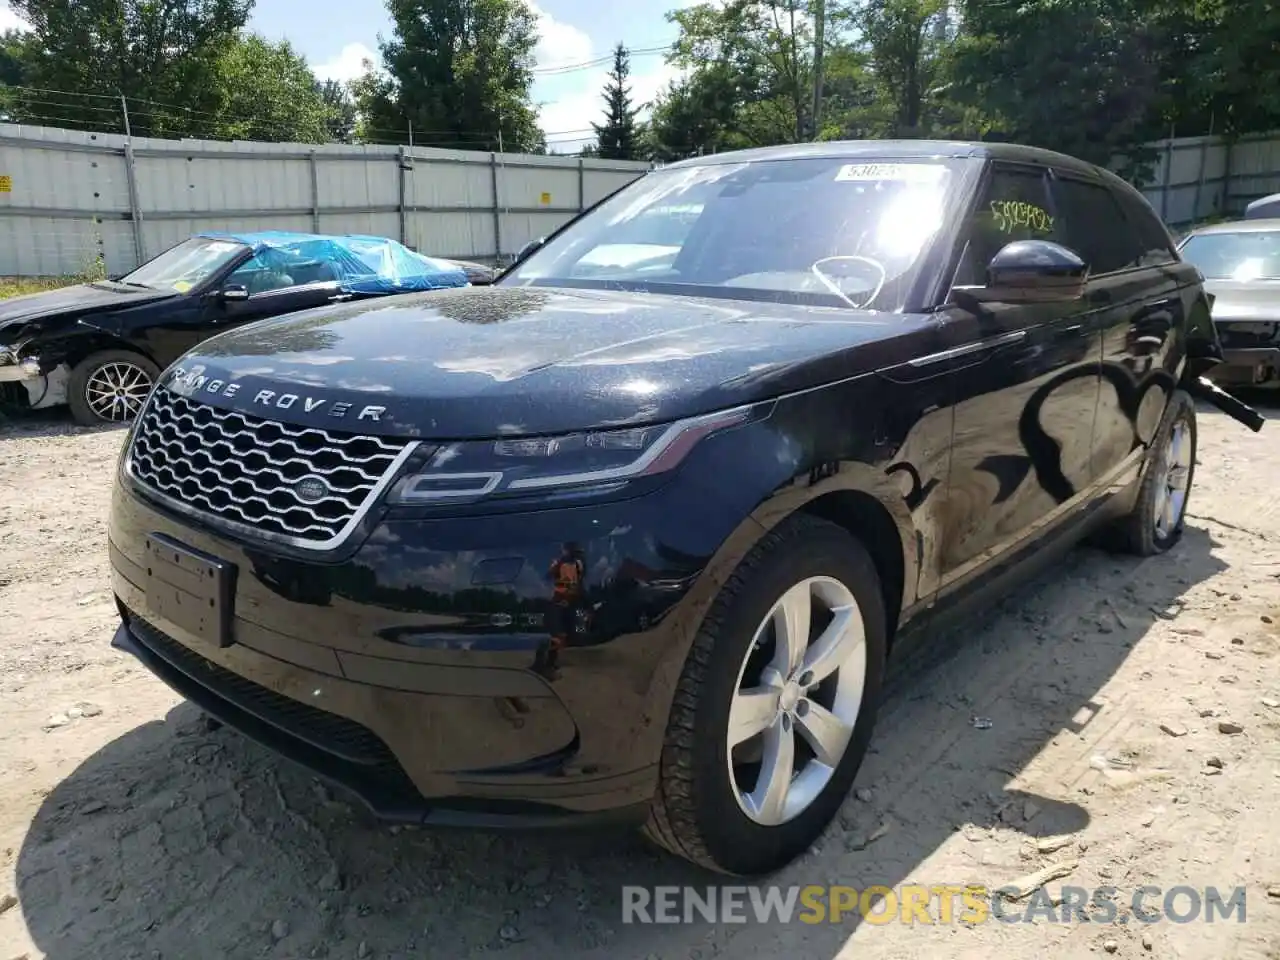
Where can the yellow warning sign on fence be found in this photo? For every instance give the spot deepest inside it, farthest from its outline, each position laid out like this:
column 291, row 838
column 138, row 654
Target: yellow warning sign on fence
column 6, row 183
column 546, row 199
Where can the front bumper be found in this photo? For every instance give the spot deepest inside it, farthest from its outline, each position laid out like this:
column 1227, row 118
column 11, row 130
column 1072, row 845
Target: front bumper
column 26, row 384
column 1248, row 366
column 419, row 672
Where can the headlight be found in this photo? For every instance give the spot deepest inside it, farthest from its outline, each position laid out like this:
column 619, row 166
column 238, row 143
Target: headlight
column 527, row 466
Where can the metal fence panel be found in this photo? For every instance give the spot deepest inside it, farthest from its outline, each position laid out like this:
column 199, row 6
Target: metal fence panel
column 72, row 201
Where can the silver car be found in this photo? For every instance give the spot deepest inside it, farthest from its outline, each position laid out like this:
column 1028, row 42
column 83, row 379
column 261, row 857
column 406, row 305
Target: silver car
column 1240, row 262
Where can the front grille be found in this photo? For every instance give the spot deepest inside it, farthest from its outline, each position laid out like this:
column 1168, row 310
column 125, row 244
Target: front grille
column 327, row 731
column 246, row 470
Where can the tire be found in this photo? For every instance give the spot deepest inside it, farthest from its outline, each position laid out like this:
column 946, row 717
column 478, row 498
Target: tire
column 1142, row 532
column 699, row 812
column 133, row 374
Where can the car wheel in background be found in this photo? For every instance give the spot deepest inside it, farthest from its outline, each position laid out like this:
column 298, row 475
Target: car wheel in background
column 776, row 703
column 110, row 387
column 1158, row 517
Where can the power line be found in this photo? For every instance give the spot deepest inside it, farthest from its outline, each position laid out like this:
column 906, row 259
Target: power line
column 597, row 62
column 102, row 113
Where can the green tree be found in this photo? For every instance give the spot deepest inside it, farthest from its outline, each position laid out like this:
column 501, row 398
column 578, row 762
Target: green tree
column 1236, row 65
column 13, row 73
column 696, row 115
column 267, row 92
column 1098, row 97
column 155, row 52
column 851, row 98
column 13, row 59
column 748, row 68
column 907, row 43
column 618, row 136
column 457, row 72
column 340, row 108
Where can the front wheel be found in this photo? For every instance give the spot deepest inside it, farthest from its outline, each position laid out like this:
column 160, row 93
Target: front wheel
column 110, row 387
column 776, row 703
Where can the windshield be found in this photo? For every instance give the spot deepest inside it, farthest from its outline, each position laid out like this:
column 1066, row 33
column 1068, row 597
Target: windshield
column 1247, row 255
column 818, row 231
column 187, row 265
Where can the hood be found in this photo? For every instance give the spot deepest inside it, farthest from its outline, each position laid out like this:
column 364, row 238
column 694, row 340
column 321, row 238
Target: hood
column 78, row 300
column 1245, row 300
column 500, row 361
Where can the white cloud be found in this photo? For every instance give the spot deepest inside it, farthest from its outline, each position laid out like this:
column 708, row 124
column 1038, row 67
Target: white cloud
column 569, row 102
column 567, row 118
column 559, row 44
column 347, row 65
column 10, row 20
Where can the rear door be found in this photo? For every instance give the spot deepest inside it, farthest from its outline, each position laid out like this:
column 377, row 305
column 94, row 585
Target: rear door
column 1026, row 394
column 1136, row 305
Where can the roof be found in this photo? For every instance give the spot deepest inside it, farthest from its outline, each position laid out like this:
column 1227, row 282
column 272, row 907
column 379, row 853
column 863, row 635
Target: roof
column 360, row 264
column 1237, row 226
column 272, row 238
column 895, row 150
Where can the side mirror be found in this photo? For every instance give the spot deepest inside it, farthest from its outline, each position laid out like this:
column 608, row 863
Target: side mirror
column 234, row 294
column 529, row 249
column 1030, row 271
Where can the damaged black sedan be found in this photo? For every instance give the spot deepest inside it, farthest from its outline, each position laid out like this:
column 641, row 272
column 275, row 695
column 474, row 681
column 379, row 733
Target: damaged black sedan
column 98, row 347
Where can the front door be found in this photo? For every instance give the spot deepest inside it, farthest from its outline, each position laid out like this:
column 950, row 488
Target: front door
column 1025, row 403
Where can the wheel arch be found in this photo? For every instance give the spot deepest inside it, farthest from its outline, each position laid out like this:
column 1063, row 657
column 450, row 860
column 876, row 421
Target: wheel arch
column 861, row 499
column 80, row 349
column 76, row 346
column 867, row 519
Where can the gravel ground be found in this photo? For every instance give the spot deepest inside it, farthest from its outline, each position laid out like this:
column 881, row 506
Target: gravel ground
column 1133, row 711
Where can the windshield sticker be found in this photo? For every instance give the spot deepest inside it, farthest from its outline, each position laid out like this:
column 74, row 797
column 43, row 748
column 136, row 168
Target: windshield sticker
column 182, row 286
column 1012, row 214
column 903, row 172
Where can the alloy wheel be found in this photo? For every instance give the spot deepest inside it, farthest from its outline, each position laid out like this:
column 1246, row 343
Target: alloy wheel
column 1171, row 492
column 116, row 391
column 797, row 700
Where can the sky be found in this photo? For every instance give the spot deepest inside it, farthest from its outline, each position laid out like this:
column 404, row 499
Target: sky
column 336, row 37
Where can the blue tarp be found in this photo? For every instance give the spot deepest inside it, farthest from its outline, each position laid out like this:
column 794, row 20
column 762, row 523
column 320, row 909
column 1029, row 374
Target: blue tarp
column 373, row 265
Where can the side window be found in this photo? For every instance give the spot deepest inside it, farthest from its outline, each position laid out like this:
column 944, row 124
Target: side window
column 1095, row 226
column 254, row 276
column 1014, row 206
column 264, row 274
column 1157, row 248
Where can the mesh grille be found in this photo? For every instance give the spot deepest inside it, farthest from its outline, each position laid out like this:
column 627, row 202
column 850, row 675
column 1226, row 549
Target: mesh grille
column 328, row 731
column 277, row 478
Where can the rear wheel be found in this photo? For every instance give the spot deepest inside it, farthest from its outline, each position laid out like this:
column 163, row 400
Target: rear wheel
column 110, row 387
column 775, row 705
column 1156, row 522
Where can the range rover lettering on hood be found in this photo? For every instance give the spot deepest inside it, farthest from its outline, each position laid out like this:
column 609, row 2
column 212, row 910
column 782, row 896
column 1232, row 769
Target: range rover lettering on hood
column 188, row 383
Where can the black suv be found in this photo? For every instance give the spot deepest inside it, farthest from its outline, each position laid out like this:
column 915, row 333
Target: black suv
column 630, row 533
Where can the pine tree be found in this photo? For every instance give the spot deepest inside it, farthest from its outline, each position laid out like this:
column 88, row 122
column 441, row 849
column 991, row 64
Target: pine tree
column 618, row 137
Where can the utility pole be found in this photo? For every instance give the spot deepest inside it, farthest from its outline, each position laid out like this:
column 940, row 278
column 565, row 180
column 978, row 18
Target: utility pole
column 131, row 182
column 819, row 41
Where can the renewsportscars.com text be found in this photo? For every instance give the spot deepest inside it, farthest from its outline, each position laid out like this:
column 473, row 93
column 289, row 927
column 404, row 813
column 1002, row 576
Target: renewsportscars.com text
column 930, row 904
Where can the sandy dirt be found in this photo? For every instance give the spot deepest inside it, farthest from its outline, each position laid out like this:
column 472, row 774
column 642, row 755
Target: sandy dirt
column 128, row 829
